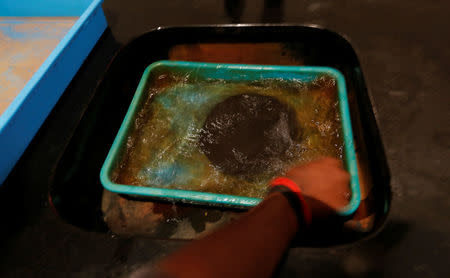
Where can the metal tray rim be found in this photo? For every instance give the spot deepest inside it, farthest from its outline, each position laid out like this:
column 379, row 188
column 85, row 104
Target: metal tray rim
column 222, row 199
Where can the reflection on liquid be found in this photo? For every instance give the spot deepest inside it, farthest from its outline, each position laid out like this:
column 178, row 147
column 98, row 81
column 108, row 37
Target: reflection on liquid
column 172, row 147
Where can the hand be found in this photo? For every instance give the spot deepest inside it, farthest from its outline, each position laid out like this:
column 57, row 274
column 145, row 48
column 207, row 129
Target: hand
column 324, row 184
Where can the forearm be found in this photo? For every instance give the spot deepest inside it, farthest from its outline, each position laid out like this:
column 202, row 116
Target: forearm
column 253, row 245
column 249, row 247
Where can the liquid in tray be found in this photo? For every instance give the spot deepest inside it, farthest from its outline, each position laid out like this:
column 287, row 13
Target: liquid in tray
column 228, row 137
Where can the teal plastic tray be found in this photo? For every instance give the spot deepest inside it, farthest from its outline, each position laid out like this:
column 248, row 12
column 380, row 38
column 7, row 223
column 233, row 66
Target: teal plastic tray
column 234, row 72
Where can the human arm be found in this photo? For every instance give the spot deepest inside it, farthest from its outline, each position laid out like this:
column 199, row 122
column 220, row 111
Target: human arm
column 253, row 245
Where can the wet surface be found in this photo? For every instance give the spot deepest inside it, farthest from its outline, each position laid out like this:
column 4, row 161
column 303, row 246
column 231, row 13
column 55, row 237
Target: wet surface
column 227, row 137
column 406, row 67
column 246, row 134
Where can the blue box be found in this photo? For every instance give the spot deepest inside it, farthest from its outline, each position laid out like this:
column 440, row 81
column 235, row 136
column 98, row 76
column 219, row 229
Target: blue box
column 26, row 113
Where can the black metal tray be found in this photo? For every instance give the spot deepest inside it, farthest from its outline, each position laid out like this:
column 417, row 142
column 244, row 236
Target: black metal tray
column 76, row 191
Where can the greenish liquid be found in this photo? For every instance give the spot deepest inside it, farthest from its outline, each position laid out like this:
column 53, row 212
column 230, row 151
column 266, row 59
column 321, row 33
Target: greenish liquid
column 162, row 149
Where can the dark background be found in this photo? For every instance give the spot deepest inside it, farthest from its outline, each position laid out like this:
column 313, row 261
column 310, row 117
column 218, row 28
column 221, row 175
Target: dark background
column 403, row 47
